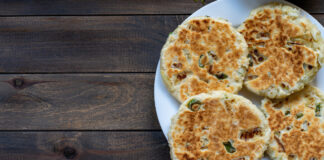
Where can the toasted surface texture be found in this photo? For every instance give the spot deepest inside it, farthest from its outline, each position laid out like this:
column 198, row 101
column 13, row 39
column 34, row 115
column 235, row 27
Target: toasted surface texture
column 218, row 126
column 202, row 55
column 297, row 125
column 285, row 50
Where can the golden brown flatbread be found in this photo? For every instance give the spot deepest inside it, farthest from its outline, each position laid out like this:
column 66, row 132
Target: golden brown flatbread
column 218, row 126
column 297, row 125
column 202, row 55
column 285, row 50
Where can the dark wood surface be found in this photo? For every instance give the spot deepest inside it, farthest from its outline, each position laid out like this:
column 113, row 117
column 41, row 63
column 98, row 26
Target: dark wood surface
column 98, row 7
column 122, row 7
column 49, row 44
column 83, row 43
column 77, row 102
column 85, row 145
column 77, row 76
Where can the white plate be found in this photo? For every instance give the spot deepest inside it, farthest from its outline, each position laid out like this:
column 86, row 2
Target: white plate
column 235, row 11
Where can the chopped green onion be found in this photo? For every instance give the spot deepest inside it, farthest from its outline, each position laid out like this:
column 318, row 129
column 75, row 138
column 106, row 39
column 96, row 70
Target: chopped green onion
column 229, row 148
column 318, row 110
column 200, row 63
column 192, row 103
column 287, row 112
column 221, row 76
column 299, row 115
column 277, row 133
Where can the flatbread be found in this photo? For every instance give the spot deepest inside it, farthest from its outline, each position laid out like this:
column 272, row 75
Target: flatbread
column 297, row 125
column 203, row 54
column 285, row 49
column 218, row 126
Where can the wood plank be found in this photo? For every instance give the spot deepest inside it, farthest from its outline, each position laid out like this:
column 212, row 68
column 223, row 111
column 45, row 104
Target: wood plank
column 77, row 102
column 83, row 145
column 83, row 44
column 311, row 6
column 98, row 7
column 121, row 7
column 319, row 17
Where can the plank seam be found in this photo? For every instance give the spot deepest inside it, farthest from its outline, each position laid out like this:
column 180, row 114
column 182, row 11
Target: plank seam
column 97, row 15
column 50, row 130
column 5, row 73
column 111, row 15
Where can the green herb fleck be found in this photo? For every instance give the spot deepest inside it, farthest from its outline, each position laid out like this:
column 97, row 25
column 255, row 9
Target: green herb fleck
column 170, row 33
column 221, row 76
column 229, row 148
column 318, row 110
column 277, row 133
column 200, row 63
column 250, row 60
column 287, row 113
column 299, row 115
column 296, row 41
column 194, row 104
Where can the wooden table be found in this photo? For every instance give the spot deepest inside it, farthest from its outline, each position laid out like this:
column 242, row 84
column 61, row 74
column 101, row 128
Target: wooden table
column 77, row 76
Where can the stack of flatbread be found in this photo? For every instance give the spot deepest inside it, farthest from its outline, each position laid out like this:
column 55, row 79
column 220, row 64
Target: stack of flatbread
column 275, row 53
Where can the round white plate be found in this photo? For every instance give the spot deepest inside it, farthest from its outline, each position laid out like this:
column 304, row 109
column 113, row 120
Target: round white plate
column 235, row 11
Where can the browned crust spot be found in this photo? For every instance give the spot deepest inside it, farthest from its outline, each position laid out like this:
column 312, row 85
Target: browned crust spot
column 250, row 133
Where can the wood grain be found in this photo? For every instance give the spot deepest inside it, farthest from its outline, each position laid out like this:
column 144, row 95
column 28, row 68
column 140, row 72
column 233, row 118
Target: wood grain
column 98, row 7
column 77, row 102
column 76, row 110
column 83, row 146
column 85, row 44
column 121, row 7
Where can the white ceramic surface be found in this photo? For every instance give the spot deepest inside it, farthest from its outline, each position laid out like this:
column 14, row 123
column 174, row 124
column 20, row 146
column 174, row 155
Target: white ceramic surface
column 235, row 11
